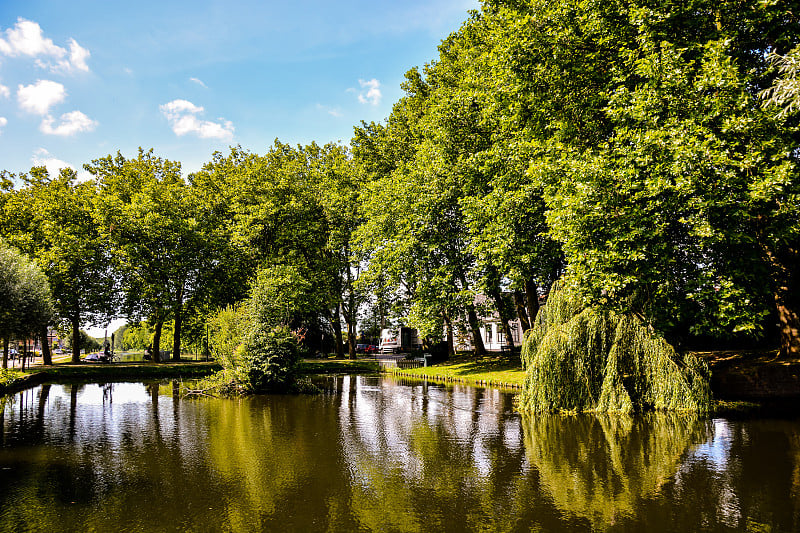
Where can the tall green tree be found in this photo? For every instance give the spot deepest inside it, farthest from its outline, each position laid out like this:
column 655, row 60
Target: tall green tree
column 337, row 182
column 158, row 251
column 671, row 189
column 274, row 220
column 414, row 227
column 53, row 220
column 27, row 304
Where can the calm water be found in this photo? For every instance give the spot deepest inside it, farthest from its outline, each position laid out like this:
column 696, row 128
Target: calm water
column 376, row 454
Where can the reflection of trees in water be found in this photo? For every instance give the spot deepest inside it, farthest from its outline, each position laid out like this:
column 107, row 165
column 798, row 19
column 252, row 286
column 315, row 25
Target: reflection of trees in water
column 381, row 456
column 600, row 466
column 745, row 477
column 95, row 465
column 433, row 458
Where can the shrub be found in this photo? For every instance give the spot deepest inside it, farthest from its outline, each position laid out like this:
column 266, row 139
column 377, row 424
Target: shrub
column 270, row 359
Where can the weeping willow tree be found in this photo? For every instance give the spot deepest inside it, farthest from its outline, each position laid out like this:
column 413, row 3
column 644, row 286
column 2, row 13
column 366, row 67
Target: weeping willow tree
column 587, row 359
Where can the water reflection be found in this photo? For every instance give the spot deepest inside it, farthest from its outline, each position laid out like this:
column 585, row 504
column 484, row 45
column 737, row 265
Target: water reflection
column 600, row 467
column 379, row 454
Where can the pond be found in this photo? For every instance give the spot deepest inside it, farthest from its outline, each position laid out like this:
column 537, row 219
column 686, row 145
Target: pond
column 379, row 454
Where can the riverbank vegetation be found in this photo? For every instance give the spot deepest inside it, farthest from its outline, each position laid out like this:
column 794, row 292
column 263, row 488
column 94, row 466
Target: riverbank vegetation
column 589, row 359
column 646, row 154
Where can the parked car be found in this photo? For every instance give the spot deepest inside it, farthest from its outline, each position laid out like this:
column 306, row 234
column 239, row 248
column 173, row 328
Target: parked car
column 371, row 349
column 361, row 348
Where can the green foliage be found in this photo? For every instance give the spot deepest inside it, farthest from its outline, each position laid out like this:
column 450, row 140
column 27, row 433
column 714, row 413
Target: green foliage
column 280, row 293
column 9, row 377
column 269, row 357
column 139, row 336
column 227, row 330
column 252, row 342
column 785, row 92
column 25, row 292
column 53, row 219
column 590, row 359
column 86, row 342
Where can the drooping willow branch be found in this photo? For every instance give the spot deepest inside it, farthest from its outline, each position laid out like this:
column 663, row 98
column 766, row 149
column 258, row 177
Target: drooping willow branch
column 589, row 359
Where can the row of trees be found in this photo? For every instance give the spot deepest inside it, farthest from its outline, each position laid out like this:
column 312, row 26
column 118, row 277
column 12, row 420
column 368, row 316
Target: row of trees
column 141, row 241
column 645, row 151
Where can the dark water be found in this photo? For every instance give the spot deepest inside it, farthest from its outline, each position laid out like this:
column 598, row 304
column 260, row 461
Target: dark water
column 376, row 454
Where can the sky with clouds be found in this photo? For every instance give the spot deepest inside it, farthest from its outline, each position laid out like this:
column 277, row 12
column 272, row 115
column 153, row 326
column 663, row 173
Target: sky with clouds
column 83, row 79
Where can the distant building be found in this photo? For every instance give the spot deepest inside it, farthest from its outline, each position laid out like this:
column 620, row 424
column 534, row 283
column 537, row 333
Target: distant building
column 492, row 330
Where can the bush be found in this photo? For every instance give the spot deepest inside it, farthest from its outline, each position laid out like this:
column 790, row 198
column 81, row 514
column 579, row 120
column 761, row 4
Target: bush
column 270, row 359
column 257, row 351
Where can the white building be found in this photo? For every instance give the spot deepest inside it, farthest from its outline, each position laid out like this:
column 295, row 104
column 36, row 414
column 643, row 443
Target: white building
column 492, row 331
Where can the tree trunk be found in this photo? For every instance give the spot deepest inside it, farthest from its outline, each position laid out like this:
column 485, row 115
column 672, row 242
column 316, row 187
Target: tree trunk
column 157, row 341
column 789, row 325
column 351, row 341
column 76, row 338
column 785, row 267
column 176, row 340
column 350, row 311
column 47, row 357
column 337, row 331
column 472, row 319
column 475, row 327
column 505, row 315
column 531, row 299
column 451, row 351
column 5, row 352
column 522, row 313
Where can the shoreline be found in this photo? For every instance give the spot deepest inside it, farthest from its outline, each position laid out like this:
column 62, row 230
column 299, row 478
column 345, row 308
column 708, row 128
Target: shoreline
column 737, row 376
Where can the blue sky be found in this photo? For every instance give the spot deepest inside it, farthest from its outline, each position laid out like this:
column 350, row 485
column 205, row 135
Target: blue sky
column 83, row 79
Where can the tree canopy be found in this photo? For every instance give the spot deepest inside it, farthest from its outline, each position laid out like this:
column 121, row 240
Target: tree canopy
column 645, row 153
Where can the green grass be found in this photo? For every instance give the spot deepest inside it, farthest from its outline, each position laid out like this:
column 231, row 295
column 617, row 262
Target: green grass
column 493, row 369
column 11, row 380
column 101, row 371
column 9, row 377
column 337, row 366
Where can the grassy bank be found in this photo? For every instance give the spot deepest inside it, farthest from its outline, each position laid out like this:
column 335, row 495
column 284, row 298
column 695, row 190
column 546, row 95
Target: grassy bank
column 736, row 375
column 16, row 380
column 338, row 366
column 496, row 370
column 13, row 380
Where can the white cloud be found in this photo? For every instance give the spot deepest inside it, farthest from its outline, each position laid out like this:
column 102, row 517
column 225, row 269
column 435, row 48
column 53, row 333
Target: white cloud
column 71, row 123
column 3, row 122
column 177, row 107
column 332, row 111
column 39, row 97
column 78, row 56
column 199, row 82
column 26, row 39
column 43, row 158
column 4, row 91
column 372, row 94
column 182, row 117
